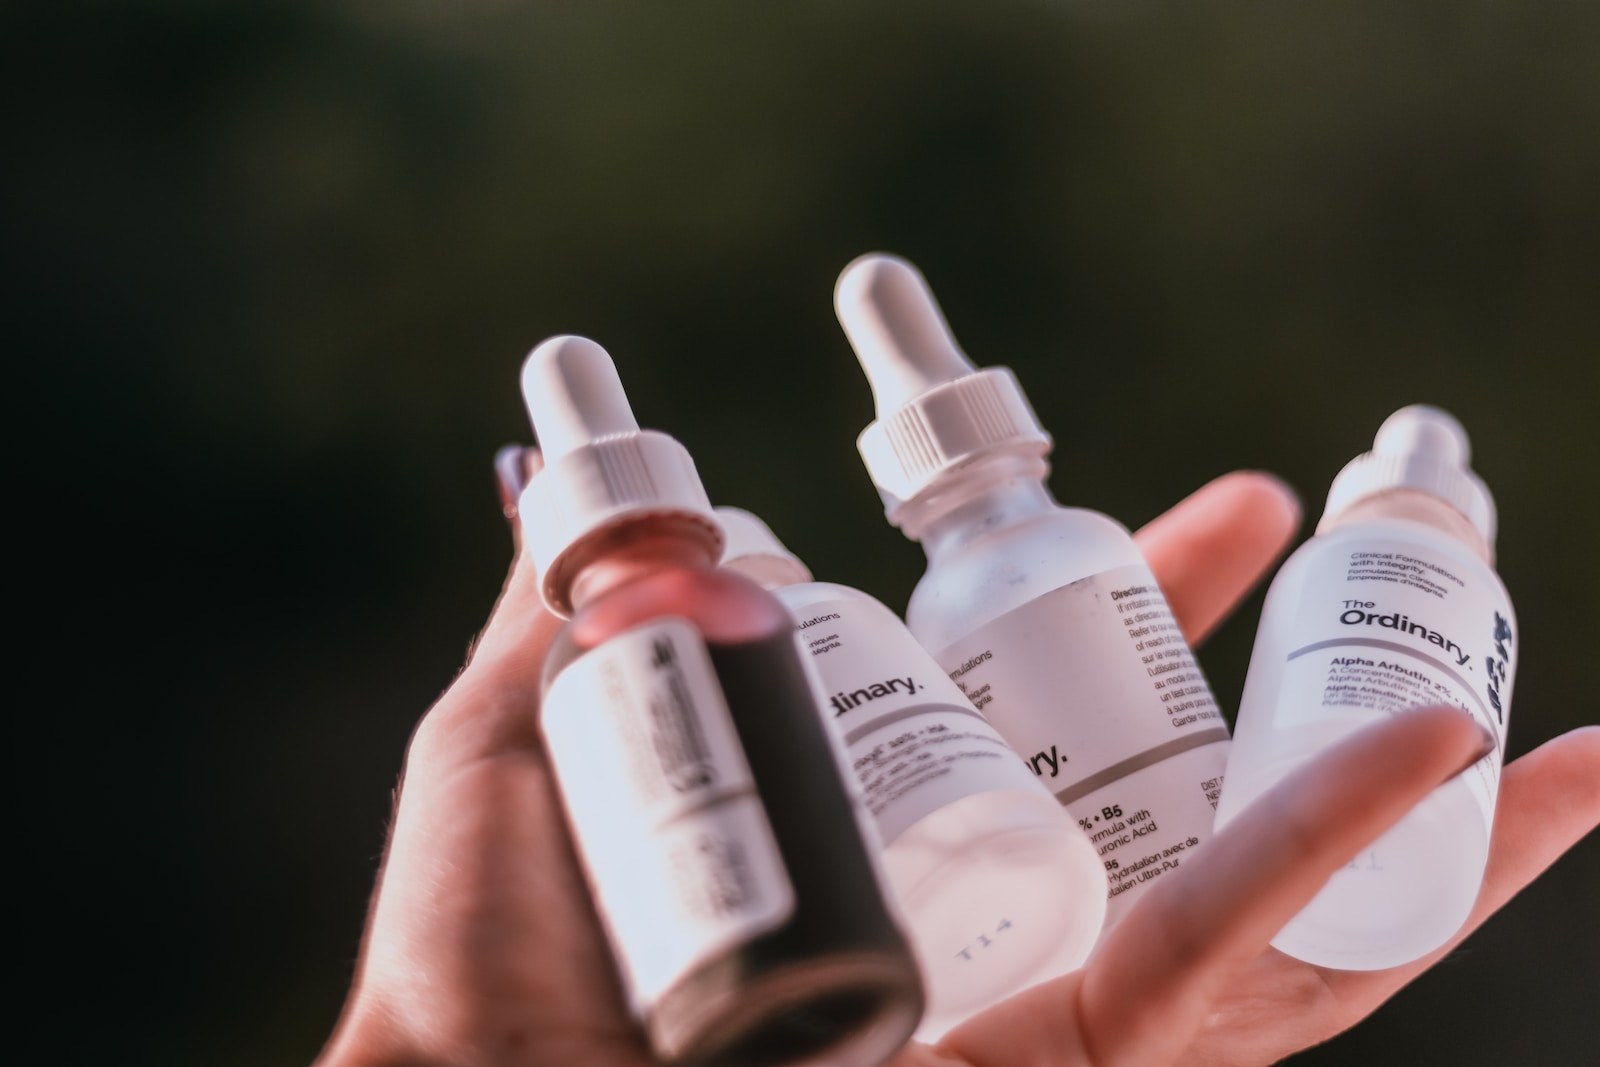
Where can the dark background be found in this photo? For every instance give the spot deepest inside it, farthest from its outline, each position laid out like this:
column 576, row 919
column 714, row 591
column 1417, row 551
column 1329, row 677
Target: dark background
column 270, row 270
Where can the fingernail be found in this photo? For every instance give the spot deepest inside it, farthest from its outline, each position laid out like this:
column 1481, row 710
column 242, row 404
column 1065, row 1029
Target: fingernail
column 510, row 477
column 1288, row 497
column 1486, row 746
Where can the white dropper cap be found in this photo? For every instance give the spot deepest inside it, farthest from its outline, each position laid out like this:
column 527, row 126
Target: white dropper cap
column 755, row 551
column 936, row 411
column 600, row 469
column 1420, row 448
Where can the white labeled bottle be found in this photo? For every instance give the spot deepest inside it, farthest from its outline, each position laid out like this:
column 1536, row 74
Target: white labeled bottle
column 1393, row 604
column 718, row 833
column 999, row 887
column 1047, row 617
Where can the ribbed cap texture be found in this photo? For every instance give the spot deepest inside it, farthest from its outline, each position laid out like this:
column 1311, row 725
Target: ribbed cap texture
column 945, row 428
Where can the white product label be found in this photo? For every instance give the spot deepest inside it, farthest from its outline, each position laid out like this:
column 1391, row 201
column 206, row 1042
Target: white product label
column 1390, row 625
column 1095, row 686
column 678, row 851
column 912, row 739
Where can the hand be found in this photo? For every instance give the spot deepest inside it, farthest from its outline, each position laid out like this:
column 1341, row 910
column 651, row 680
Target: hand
column 481, row 946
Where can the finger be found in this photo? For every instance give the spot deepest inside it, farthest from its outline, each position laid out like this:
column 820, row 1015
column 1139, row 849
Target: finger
column 1549, row 800
column 1150, row 984
column 1211, row 549
column 519, row 599
column 514, row 465
column 490, row 708
column 509, row 481
column 1157, row 973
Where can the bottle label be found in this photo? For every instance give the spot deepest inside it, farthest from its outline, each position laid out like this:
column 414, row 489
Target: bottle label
column 1388, row 625
column 913, row 741
column 675, row 843
column 1094, row 685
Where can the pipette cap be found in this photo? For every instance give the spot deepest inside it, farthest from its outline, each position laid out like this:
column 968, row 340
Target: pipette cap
column 936, row 411
column 600, row 469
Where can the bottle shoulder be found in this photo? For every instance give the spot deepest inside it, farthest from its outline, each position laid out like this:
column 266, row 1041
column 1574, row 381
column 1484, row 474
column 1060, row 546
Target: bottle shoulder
column 803, row 595
column 1005, row 568
column 1059, row 537
column 1383, row 537
column 1390, row 534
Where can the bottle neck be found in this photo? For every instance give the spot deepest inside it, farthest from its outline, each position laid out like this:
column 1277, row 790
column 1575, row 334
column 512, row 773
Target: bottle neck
column 975, row 501
column 637, row 550
column 1413, row 505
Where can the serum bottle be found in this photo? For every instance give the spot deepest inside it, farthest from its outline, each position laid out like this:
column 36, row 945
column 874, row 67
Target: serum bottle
column 1048, row 618
column 717, row 833
column 1393, row 604
column 999, row 887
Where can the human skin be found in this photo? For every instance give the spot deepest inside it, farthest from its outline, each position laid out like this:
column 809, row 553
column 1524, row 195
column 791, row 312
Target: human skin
column 481, row 947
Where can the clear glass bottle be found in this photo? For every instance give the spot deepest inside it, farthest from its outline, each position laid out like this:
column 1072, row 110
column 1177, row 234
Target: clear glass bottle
column 999, row 887
column 717, row 832
column 1047, row 617
column 1393, row 604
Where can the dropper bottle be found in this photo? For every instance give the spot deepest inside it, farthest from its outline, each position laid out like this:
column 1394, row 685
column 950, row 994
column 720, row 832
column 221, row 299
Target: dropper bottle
column 1047, row 617
column 1393, row 604
column 999, row 887
column 717, row 833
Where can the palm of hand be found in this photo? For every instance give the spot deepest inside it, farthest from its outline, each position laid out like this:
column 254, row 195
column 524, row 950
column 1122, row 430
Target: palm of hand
column 482, row 947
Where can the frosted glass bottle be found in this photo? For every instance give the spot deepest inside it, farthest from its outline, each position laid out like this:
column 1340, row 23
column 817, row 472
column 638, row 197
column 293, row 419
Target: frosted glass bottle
column 1047, row 617
column 999, row 888
column 1393, row 604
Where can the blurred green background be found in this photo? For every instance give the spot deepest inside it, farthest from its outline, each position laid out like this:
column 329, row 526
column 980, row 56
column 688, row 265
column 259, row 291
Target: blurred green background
column 270, row 269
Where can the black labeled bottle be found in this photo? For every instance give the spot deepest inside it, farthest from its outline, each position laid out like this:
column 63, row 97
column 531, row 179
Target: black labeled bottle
column 720, row 841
